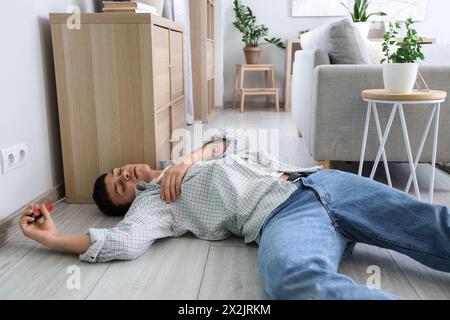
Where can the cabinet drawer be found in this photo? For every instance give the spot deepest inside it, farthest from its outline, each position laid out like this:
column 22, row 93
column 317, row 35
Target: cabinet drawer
column 163, row 133
column 161, row 66
column 176, row 64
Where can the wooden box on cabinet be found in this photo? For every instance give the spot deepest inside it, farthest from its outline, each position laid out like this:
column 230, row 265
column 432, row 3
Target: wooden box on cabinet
column 120, row 93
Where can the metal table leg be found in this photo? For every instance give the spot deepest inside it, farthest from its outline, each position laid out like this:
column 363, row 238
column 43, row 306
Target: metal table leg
column 366, row 132
column 383, row 143
column 422, row 144
column 408, row 150
column 435, row 143
column 380, row 138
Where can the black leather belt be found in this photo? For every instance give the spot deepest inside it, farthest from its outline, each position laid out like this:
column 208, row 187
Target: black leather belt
column 296, row 176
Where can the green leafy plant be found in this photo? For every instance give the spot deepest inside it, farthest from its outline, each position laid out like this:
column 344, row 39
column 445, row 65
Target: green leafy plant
column 251, row 32
column 408, row 50
column 359, row 13
column 302, row 32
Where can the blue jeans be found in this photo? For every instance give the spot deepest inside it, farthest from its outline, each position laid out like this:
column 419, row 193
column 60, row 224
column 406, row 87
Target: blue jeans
column 303, row 240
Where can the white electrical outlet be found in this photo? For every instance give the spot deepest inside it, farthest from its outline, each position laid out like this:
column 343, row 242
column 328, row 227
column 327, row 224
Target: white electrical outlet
column 14, row 157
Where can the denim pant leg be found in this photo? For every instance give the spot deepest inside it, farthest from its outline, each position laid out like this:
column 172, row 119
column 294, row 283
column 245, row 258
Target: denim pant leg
column 300, row 252
column 370, row 212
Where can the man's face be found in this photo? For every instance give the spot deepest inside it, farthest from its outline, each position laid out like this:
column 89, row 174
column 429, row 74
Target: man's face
column 120, row 182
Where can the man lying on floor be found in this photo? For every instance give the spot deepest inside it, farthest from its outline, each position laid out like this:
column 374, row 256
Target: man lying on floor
column 304, row 220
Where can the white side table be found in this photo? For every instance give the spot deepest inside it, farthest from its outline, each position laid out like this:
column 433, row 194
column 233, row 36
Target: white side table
column 398, row 102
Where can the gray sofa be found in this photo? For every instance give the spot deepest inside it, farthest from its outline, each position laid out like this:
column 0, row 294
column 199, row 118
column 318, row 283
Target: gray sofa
column 330, row 114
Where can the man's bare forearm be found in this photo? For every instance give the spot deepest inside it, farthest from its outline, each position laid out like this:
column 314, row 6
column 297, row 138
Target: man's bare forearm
column 77, row 244
column 210, row 150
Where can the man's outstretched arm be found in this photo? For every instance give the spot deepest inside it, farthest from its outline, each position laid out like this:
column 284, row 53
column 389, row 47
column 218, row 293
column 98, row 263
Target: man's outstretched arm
column 126, row 241
column 45, row 232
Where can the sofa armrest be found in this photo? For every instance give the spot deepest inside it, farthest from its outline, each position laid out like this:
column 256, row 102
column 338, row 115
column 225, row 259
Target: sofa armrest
column 338, row 114
column 303, row 70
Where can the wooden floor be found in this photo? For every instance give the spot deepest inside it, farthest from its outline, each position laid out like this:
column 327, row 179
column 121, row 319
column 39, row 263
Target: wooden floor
column 188, row 268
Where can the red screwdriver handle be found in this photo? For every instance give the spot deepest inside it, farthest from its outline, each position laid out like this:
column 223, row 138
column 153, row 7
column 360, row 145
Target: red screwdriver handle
column 48, row 206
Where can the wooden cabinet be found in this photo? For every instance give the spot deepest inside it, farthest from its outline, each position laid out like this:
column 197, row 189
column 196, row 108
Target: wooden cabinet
column 120, row 93
column 163, row 131
column 202, row 46
column 161, row 55
column 178, row 115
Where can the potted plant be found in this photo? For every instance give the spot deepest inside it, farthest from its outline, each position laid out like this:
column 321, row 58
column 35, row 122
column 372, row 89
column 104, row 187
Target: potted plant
column 252, row 33
column 360, row 16
column 400, row 71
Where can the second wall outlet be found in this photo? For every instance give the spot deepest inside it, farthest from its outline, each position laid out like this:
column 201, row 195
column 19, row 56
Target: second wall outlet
column 14, row 157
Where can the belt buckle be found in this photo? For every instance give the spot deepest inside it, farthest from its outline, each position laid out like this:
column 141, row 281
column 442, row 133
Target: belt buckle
column 298, row 176
column 298, row 179
column 295, row 177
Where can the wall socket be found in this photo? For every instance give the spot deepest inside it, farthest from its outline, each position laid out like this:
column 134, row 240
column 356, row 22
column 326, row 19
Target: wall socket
column 14, row 157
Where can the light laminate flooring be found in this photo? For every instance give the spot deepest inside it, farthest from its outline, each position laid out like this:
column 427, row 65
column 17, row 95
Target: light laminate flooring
column 188, row 268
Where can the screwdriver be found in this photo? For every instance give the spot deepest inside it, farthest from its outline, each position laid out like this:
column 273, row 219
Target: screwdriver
column 37, row 214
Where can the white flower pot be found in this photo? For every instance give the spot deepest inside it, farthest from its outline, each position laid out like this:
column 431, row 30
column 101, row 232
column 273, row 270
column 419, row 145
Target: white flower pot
column 363, row 28
column 400, row 77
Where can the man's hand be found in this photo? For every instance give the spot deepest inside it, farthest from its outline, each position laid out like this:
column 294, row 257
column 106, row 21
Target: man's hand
column 41, row 230
column 171, row 182
column 172, row 178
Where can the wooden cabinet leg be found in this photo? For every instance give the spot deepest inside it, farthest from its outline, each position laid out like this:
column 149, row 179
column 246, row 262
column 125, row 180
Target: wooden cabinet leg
column 242, row 102
column 241, row 87
column 274, row 82
column 241, row 78
column 274, row 86
column 277, row 101
column 326, row 164
column 236, row 87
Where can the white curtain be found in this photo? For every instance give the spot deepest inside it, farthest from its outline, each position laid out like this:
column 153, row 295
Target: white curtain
column 178, row 10
column 168, row 9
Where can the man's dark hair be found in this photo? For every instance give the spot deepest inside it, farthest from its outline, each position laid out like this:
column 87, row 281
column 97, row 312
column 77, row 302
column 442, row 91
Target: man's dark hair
column 104, row 202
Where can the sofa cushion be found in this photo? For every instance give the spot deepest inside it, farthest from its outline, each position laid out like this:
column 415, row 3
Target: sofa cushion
column 341, row 40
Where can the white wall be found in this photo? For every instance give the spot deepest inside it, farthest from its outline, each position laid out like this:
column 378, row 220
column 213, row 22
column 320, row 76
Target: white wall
column 277, row 16
column 436, row 23
column 28, row 108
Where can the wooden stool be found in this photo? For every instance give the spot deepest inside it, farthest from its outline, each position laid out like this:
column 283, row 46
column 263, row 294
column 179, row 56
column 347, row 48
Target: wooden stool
column 268, row 91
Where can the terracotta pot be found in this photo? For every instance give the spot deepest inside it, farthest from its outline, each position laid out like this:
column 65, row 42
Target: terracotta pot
column 252, row 55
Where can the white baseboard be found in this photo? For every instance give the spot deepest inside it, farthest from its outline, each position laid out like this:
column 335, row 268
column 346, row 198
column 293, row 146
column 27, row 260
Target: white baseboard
column 9, row 226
